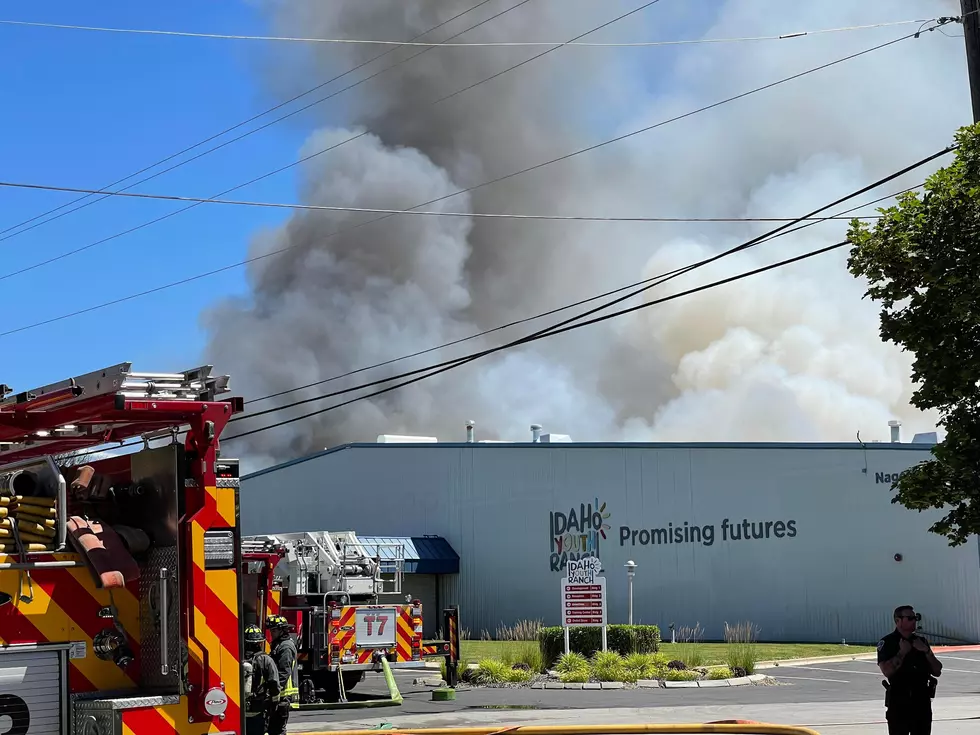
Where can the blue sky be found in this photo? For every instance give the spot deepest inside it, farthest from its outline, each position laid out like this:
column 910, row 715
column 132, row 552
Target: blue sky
column 85, row 109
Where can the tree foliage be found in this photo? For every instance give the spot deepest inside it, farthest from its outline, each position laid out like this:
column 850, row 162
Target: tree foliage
column 922, row 261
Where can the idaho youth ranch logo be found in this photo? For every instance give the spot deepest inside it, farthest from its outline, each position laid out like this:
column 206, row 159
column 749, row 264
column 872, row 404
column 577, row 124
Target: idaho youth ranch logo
column 576, row 534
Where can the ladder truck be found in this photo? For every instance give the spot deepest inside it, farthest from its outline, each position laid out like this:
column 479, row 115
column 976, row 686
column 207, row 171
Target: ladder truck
column 120, row 577
column 348, row 617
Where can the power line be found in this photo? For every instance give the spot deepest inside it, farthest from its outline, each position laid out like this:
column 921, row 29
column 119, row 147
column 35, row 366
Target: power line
column 811, row 221
column 306, row 158
column 426, row 213
column 475, row 44
column 659, row 280
column 568, row 328
column 252, row 119
column 422, row 204
column 542, row 335
column 562, row 326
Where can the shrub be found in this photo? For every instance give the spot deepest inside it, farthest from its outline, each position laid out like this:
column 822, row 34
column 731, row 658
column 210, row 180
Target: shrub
column 572, row 662
column 680, row 675
column 492, row 671
column 689, row 647
column 573, row 668
column 518, row 676
column 623, row 639
column 608, row 666
column 742, row 650
column 523, row 630
column 644, row 665
column 720, row 672
column 578, row 676
column 526, row 654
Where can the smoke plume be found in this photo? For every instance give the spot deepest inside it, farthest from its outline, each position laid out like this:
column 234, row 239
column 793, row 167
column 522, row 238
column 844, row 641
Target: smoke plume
column 790, row 355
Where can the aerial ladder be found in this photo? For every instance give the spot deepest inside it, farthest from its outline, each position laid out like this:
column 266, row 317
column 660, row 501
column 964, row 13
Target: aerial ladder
column 345, row 601
column 119, row 575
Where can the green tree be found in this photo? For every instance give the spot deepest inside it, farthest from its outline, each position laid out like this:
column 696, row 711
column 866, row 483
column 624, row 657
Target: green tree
column 922, row 261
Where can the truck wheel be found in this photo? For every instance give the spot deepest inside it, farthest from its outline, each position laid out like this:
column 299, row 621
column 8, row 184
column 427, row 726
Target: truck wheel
column 352, row 679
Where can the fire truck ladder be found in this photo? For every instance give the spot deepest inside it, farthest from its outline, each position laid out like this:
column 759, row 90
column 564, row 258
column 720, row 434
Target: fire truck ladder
column 38, row 427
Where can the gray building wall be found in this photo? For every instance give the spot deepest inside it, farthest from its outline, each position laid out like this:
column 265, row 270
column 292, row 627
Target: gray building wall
column 498, row 505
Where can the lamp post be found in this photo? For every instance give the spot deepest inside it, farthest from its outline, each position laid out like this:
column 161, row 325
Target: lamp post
column 630, row 573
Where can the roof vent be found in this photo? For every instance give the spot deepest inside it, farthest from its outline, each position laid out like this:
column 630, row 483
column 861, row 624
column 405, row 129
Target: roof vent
column 896, row 431
column 535, row 433
column 406, row 439
column 555, row 439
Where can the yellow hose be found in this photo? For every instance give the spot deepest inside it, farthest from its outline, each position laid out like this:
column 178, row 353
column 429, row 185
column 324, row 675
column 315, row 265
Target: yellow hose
column 636, row 729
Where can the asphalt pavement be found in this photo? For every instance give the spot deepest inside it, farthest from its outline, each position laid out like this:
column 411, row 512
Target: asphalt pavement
column 827, row 696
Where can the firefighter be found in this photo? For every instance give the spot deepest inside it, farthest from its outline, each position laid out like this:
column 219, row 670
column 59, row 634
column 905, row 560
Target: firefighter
column 911, row 668
column 284, row 654
column 261, row 683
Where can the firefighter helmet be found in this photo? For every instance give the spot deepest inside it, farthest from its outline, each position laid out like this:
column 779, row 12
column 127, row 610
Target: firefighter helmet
column 254, row 634
column 276, row 622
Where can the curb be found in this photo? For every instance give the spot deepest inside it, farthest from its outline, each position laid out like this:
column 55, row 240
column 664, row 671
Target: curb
column 641, row 684
column 822, row 660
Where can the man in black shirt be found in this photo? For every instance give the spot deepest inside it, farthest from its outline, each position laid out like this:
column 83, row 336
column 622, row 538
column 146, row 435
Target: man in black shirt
column 910, row 666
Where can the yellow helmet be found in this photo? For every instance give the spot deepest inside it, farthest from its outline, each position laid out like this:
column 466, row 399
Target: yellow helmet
column 274, row 622
column 254, row 634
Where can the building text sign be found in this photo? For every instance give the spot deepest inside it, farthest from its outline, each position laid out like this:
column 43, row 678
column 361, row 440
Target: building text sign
column 583, row 595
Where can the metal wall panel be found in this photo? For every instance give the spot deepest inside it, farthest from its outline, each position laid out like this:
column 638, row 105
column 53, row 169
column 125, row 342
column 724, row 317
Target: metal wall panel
column 835, row 579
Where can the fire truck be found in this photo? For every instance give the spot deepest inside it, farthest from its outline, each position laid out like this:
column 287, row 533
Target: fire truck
column 120, row 578
column 344, row 599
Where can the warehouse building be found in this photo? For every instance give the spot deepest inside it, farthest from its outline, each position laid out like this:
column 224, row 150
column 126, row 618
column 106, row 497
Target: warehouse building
column 801, row 540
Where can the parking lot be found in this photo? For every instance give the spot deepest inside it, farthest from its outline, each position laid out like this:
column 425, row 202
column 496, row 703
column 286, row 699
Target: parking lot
column 850, row 680
column 818, row 693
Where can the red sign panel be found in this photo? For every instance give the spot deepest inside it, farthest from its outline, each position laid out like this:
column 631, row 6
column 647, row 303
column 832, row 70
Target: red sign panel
column 584, row 604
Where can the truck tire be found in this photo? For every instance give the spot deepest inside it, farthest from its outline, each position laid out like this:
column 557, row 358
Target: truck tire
column 352, row 679
column 326, row 681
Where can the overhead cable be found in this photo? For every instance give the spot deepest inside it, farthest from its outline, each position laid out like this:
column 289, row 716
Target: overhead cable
column 475, row 44
column 305, row 158
column 562, row 330
column 651, row 283
column 252, row 119
column 418, row 206
column 561, row 327
column 426, row 213
column 811, row 221
column 465, row 360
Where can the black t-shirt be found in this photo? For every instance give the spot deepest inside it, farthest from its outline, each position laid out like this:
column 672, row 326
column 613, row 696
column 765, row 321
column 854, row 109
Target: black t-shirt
column 914, row 671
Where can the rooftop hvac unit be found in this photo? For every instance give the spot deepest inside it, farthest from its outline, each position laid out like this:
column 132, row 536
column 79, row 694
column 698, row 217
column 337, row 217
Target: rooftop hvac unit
column 406, row 439
column 556, row 439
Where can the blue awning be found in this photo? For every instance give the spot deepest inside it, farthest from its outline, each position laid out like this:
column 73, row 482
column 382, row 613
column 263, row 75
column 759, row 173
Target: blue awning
column 423, row 554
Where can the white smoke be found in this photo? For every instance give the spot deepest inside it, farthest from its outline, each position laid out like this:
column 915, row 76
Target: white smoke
column 792, row 354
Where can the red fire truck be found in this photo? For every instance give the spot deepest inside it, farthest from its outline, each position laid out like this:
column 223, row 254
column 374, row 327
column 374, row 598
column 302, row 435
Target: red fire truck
column 347, row 616
column 120, row 582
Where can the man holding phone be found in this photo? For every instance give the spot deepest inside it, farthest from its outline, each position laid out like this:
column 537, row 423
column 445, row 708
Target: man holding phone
column 907, row 662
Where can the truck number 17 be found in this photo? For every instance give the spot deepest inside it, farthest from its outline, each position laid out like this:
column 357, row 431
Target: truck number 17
column 370, row 620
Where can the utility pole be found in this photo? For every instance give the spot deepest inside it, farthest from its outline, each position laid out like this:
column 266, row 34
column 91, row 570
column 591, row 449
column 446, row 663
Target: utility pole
column 970, row 10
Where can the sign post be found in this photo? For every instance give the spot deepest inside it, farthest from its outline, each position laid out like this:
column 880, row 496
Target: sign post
column 583, row 598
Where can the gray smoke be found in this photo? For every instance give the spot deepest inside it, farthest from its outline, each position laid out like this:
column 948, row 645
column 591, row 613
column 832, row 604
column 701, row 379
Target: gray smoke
column 791, row 355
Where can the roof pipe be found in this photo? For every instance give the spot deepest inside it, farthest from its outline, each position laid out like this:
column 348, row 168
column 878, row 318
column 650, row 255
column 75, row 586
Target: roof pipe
column 536, row 433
